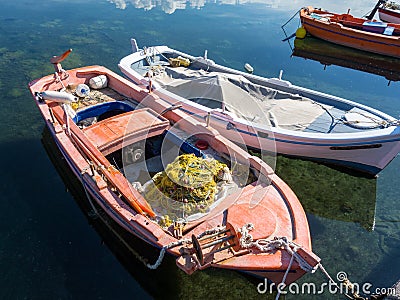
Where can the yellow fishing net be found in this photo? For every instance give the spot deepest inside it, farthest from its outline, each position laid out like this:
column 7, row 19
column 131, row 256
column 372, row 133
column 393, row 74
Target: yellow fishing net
column 187, row 185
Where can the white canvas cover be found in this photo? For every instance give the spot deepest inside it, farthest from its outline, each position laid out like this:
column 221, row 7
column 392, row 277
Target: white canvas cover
column 241, row 97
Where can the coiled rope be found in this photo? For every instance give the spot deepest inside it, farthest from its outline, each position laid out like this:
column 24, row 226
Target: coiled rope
column 264, row 245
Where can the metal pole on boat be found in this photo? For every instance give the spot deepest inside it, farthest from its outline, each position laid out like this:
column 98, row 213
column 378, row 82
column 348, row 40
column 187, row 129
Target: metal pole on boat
column 53, row 120
column 150, row 75
column 371, row 15
column 134, row 45
column 216, row 242
column 67, row 119
column 213, row 235
column 208, row 119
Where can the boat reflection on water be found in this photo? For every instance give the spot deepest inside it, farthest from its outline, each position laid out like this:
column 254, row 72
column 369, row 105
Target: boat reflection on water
column 330, row 193
column 332, row 54
column 345, row 198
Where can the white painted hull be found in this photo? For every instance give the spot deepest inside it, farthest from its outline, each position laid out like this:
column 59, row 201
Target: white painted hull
column 367, row 151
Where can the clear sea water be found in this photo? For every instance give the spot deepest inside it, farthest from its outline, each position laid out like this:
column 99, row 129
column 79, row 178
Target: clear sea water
column 52, row 248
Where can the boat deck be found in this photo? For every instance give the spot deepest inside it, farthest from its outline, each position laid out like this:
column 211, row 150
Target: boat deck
column 96, row 97
column 255, row 102
column 331, row 122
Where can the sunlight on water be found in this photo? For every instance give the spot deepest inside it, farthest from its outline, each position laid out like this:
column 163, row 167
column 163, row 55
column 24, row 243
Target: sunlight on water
column 48, row 249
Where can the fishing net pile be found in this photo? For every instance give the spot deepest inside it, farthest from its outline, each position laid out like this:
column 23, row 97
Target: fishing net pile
column 187, row 186
column 392, row 5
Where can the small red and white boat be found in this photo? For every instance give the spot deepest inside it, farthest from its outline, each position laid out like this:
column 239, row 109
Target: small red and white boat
column 347, row 30
column 243, row 217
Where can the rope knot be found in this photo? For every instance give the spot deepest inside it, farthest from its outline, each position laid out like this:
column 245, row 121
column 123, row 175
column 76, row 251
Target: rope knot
column 246, row 239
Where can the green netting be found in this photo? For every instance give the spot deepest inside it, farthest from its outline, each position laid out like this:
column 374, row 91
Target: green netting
column 188, row 185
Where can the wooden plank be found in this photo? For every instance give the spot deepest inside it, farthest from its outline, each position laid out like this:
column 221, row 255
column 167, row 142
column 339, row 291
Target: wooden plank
column 108, row 135
column 137, row 202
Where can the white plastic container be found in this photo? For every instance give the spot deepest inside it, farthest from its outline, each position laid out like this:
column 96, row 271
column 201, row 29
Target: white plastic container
column 82, row 90
column 98, row 82
column 61, row 97
column 248, row 68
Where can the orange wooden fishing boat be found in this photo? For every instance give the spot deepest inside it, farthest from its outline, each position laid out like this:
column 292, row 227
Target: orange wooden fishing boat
column 346, row 30
column 114, row 141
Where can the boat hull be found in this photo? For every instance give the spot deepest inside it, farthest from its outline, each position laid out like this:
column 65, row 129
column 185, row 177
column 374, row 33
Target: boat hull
column 335, row 32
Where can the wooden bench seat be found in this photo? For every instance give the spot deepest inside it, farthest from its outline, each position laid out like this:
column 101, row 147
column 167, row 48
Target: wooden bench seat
column 130, row 127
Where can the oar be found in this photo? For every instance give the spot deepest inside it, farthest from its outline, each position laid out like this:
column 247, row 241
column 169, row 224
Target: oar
column 289, row 37
column 104, row 166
